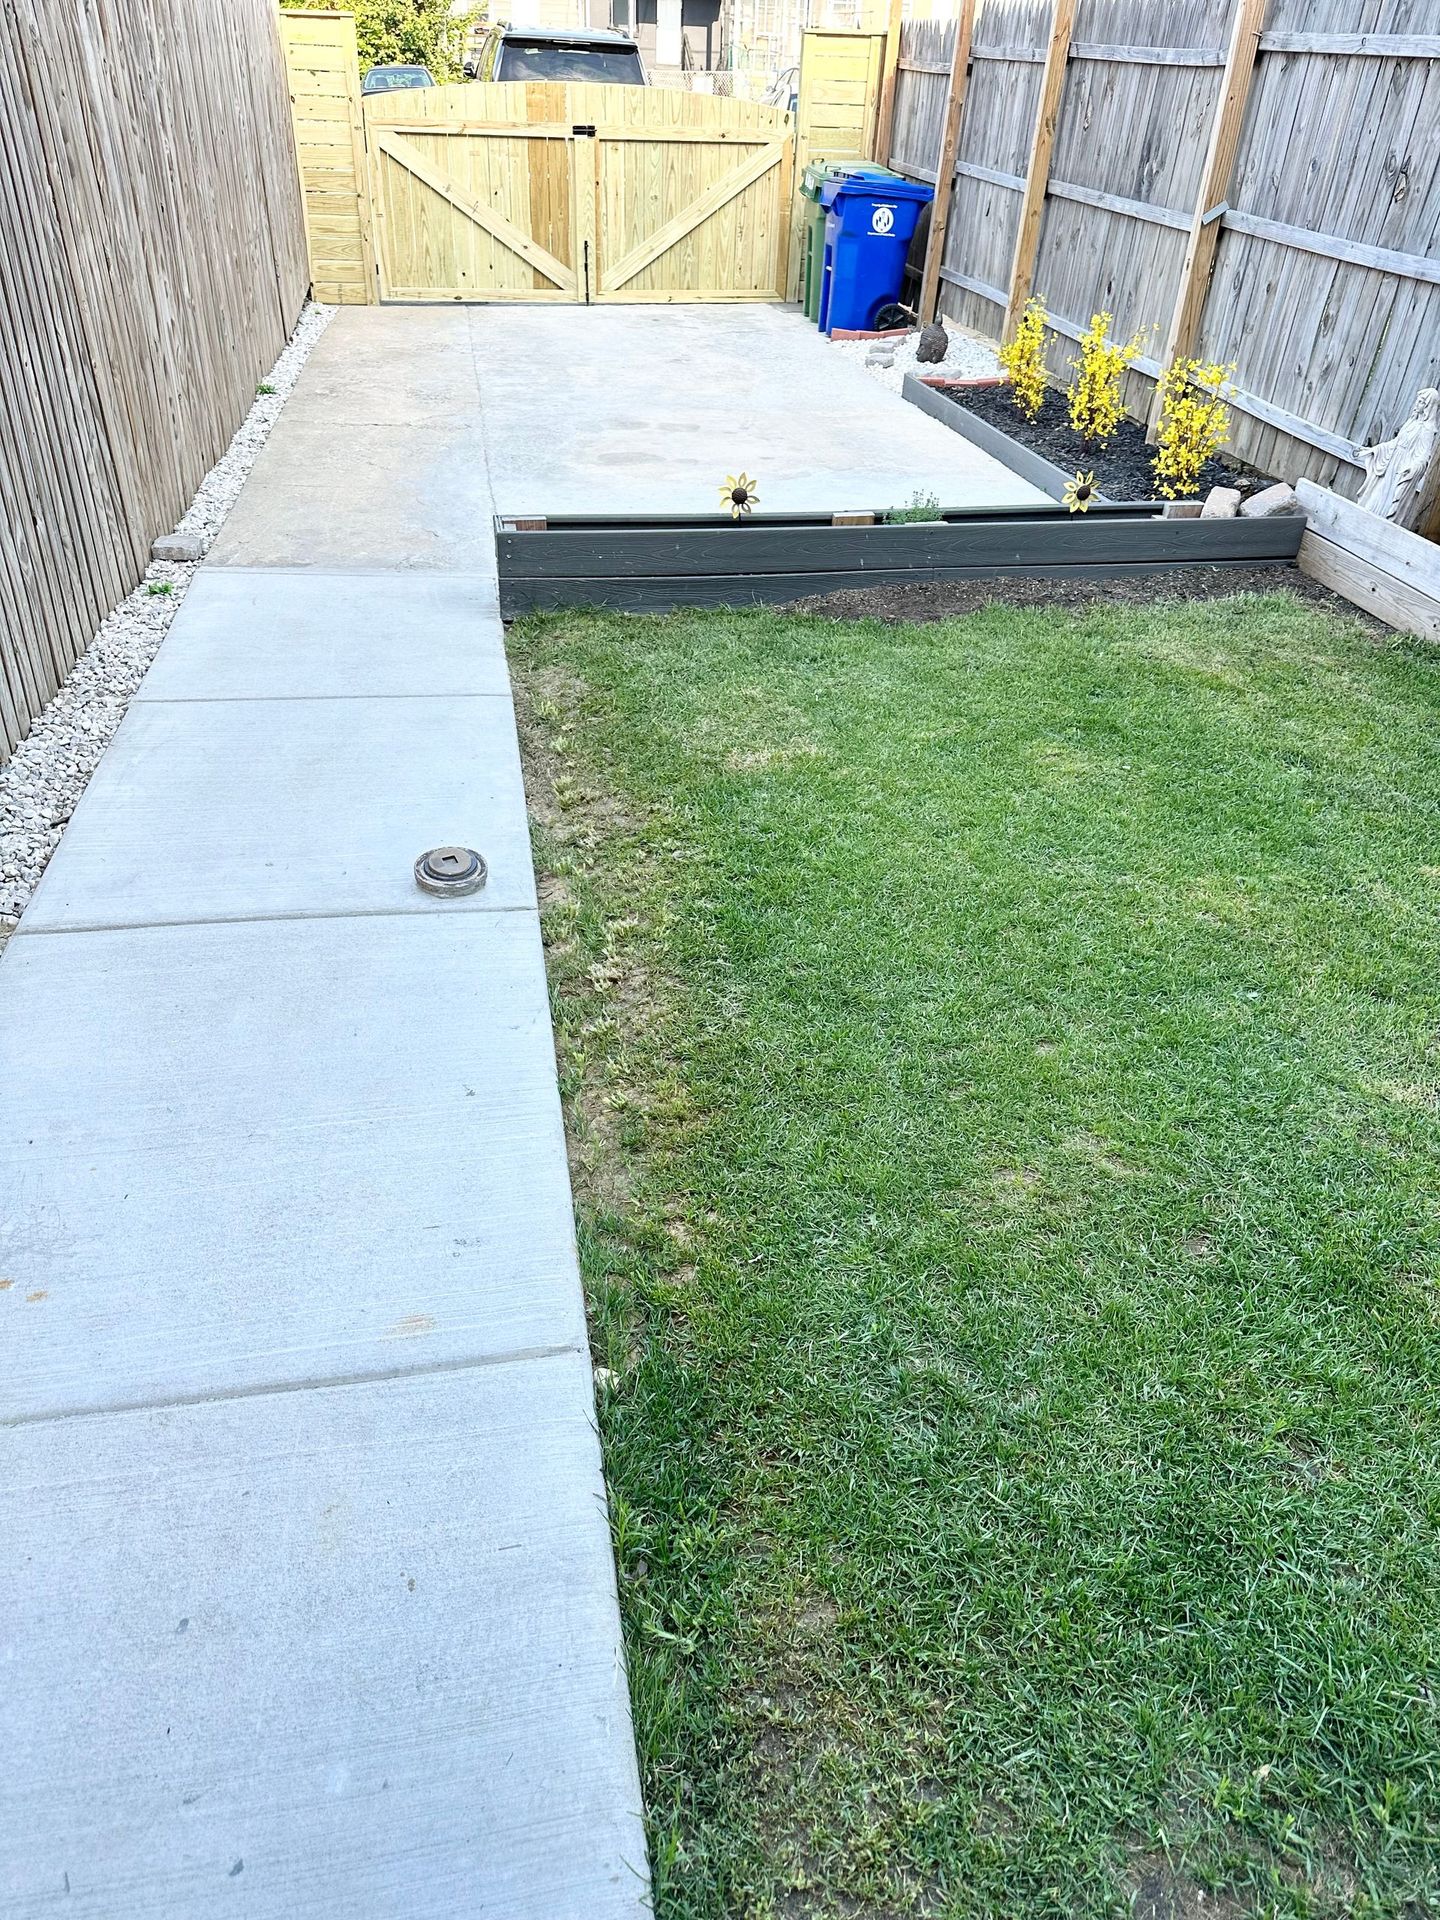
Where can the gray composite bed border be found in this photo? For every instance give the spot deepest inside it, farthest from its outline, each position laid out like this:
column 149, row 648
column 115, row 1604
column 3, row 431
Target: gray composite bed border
column 941, row 405
column 646, row 565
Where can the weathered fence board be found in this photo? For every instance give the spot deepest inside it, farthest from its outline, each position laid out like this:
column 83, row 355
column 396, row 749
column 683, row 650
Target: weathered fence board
column 1389, row 572
column 152, row 262
column 921, row 77
column 1325, row 289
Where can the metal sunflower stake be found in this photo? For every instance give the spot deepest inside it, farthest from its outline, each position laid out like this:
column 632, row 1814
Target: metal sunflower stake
column 739, row 495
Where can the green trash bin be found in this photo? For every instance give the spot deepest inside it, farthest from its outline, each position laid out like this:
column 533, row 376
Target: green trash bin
column 812, row 245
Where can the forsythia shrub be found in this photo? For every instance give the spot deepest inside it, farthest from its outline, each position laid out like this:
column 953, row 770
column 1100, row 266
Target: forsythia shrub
column 1023, row 358
column 1096, row 405
column 1194, row 423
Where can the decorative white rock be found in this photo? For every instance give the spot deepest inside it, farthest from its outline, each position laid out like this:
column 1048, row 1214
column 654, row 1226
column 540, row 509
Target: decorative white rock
column 1221, row 503
column 1398, row 472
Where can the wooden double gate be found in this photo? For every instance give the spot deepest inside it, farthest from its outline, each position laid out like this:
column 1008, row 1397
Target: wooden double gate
column 577, row 194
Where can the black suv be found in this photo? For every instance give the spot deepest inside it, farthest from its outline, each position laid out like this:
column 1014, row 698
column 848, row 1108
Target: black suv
column 537, row 53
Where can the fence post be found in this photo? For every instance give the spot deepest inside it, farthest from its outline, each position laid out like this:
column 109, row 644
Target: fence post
column 1032, row 207
column 1205, row 222
column 886, row 120
column 945, row 167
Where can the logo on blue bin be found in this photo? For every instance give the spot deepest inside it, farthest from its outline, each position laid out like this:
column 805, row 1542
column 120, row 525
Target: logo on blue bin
column 882, row 219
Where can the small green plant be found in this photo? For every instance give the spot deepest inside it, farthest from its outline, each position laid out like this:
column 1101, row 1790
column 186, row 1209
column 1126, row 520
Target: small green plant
column 1097, row 404
column 1023, row 358
column 1194, row 424
column 264, row 387
column 160, row 588
column 921, row 506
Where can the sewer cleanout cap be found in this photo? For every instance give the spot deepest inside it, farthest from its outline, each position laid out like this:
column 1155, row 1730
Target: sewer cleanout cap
column 451, row 871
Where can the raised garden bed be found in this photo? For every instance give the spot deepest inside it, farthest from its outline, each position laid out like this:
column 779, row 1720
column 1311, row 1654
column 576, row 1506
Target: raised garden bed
column 653, row 564
column 1048, row 454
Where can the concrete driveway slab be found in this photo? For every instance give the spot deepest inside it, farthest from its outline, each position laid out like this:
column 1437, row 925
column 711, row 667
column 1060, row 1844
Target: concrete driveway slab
column 333, row 493
column 249, row 1156
column 400, row 365
column 309, row 635
column 235, row 809
column 349, row 1654
column 647, row 409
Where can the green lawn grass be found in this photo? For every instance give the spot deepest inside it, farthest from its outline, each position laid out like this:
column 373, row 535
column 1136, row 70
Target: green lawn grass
column 1001, row 1059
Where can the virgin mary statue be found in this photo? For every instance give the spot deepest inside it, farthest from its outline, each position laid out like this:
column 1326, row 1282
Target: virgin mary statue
column 1398, row 470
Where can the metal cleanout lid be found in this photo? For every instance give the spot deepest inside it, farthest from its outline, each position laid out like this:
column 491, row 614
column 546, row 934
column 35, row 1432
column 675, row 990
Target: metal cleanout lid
column 450, row 871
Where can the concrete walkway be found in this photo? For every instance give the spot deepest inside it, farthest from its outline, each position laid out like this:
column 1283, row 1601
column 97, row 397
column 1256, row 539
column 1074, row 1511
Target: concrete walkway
column 307, row 1604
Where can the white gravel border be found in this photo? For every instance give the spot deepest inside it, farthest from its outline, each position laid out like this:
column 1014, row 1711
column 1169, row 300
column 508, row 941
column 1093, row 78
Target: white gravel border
column 41, row 783
column 968, row 355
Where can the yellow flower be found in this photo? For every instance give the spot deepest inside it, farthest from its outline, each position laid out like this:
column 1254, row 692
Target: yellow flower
column 1194, row 424
column 1097, row 403
column 739, row 495
column 1023, row 359
column 1079, row 492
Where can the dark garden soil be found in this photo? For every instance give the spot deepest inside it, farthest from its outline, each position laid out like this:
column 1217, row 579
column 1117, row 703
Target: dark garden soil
column 1122, row 469
column 950, row 599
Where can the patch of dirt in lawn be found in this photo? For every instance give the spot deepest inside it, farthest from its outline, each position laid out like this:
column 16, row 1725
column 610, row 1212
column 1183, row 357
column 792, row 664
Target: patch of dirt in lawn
column 1123, row 470
column 921, row 600
column 573, row 818
column 1161, row 1891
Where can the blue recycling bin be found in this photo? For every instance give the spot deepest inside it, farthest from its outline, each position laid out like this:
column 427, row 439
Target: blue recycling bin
column 869, row 223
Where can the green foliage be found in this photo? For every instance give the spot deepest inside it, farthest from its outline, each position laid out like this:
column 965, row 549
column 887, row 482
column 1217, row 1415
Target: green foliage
column 158, row 589
column 1023, row 358
column 1002, row 1081
column 921, row 506
column 422, row 33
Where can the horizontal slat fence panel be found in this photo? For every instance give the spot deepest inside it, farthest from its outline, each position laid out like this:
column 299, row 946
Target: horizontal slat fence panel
column 926, row 50
column 1133, row 132
column 152, row 263
column 1343, row 145
column 996, row 134
column 1326, row 287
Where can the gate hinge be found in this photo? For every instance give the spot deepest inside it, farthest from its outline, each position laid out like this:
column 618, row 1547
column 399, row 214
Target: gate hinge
column 590, row 131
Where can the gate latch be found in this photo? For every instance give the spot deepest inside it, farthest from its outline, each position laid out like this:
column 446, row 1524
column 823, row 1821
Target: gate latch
column 584, row 130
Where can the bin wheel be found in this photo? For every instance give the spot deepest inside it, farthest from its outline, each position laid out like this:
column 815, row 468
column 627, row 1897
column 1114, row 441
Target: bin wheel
column 891, row 316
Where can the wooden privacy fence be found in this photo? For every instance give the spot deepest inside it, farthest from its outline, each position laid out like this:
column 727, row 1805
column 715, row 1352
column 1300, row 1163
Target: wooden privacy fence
column 324, row 73
column 1256, row 180
column 535, row 192
column 841, row 81
column 578, row 193
column 152, row 263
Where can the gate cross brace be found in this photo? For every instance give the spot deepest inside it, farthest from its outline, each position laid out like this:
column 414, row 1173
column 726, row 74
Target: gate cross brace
column 495, row 224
